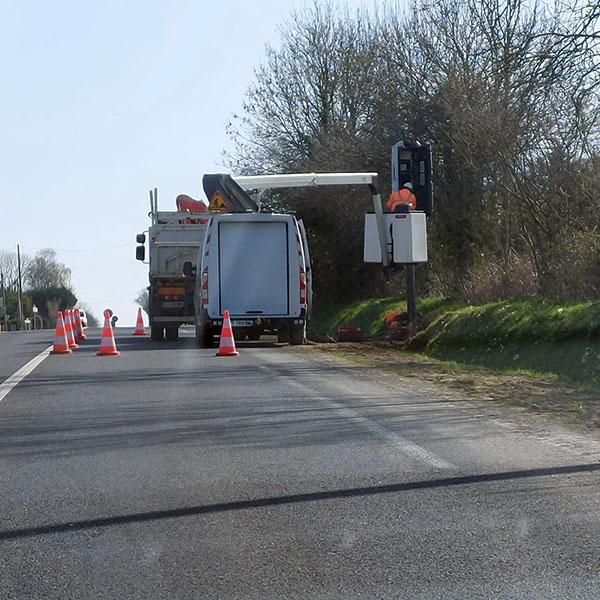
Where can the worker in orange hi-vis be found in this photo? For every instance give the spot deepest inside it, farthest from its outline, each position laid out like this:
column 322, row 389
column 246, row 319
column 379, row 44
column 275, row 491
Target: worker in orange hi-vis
column 402, row 200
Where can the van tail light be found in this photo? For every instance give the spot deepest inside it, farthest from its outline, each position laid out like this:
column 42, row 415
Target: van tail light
column 204, row 286
column 302, row 286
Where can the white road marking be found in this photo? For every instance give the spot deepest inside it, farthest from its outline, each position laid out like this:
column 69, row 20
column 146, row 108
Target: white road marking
column 405, row 446
column 8, row 384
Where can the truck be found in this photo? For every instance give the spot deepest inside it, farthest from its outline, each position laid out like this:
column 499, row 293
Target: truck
column 174, row 238
column 256, row 266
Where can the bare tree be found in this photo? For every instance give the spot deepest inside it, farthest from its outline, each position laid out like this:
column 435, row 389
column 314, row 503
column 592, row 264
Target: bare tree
column 9, row 268
column 506, row 89
column 143, row 300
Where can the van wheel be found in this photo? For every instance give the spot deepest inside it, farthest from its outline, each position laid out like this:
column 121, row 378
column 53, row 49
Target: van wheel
column 297, row 334
column 172, row 333
column 157, row 333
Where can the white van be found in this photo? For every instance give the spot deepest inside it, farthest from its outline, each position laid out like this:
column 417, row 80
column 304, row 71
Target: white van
column 256, row 266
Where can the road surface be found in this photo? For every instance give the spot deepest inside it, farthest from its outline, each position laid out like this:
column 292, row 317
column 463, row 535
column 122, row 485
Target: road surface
column 170, row 473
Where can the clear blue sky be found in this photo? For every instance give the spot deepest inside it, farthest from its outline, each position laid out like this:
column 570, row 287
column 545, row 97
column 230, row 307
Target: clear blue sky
column 103, row 100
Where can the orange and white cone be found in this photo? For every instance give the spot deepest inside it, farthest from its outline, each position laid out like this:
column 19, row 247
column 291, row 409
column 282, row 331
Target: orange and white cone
column 107, row 341
column 79, row 334
column 69, row 329
column 61, row 345
column 139, row 325
column 227, row 343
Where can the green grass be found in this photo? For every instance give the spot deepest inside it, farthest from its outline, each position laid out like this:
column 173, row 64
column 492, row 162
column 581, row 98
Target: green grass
column 561, row 340
column 367, row 314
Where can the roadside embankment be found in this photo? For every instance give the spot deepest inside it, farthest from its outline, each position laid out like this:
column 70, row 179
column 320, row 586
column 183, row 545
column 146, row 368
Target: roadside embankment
column 530, row 335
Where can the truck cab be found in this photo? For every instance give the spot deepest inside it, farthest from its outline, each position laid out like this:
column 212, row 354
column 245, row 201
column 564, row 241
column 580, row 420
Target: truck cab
column 256, row 266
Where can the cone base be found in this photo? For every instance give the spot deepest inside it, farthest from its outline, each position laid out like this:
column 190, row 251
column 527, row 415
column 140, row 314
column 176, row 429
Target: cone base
column 73, row 346
column 139, row 333
column 81, row 338
column 67, row 351
column 108, row 353
column 227, row 353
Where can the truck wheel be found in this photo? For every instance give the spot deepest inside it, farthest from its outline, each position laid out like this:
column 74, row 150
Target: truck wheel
column 172, row 333
column 156, row 333
column 297, row 334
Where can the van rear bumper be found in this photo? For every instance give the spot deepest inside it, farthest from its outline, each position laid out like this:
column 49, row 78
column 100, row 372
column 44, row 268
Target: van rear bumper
column 252, row 322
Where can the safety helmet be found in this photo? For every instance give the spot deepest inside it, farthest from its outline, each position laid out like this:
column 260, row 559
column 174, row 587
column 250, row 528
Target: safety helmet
column 408, row 185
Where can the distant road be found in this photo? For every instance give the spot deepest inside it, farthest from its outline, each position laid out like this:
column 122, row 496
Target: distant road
column 170, row 473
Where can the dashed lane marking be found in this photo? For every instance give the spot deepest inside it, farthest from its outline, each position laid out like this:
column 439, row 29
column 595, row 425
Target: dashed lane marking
column 8, row 384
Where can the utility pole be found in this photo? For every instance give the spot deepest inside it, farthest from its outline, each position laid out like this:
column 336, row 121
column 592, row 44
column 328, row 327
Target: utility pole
column 19, row 291
column 4, row 302
column 411, row 299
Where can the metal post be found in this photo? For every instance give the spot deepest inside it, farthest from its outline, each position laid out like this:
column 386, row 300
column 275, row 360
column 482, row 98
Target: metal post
column 19, row 291
column 411, row 299
column 4, row 302
column 385, row 253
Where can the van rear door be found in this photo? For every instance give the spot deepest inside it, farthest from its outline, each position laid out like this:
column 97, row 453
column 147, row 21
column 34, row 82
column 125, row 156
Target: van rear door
column 254, row 267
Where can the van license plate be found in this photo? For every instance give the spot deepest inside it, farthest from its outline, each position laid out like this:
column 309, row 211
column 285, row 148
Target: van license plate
column 241, row 323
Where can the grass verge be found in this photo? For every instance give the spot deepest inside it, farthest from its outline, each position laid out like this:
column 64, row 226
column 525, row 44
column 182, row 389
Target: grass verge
column 552, row 344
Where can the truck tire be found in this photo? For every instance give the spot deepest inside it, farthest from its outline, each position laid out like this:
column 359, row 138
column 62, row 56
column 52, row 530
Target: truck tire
column 172, row 333
column 157, row 333
column 297, row 334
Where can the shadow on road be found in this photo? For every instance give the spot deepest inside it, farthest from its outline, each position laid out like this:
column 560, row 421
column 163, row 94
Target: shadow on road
column 357, row 492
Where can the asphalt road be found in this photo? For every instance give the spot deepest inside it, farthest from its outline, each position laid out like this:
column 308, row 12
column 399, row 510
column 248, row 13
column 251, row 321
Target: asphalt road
column 170, row 473
column 18, row 347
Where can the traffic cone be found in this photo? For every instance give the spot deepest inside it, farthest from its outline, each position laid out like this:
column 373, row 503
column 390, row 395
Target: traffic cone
column 79, row 334
column 139, row 326
column 61, row 345
column 69, row 329
column 227, row 343
column 107, row 341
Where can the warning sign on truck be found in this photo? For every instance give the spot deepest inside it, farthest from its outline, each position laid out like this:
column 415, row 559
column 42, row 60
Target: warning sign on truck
column 218, row 203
